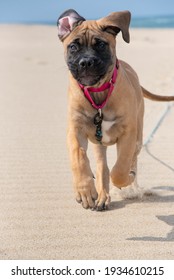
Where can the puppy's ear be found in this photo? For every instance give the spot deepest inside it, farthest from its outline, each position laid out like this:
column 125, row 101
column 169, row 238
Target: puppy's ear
column 67, row 22
column 116, row 22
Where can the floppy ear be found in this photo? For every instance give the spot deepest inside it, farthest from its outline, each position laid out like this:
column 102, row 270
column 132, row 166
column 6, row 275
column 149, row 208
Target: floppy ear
column 67, row 22
column 116, row 22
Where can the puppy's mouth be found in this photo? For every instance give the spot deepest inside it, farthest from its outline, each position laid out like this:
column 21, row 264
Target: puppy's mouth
column 89, row 80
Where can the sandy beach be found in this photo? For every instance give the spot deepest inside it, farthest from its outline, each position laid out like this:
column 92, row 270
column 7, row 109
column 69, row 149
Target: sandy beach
column 39, row 218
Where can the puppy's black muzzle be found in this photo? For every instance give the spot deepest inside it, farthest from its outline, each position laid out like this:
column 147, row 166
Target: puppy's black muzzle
column 88, row 64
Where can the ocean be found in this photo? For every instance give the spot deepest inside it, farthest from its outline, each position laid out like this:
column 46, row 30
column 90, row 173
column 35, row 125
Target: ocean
column 153, row 22
column 136, row 22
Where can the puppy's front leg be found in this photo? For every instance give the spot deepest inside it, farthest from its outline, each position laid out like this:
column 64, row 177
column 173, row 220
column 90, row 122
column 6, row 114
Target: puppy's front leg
column 102, row 177
column 82, row 175
column 121, row 174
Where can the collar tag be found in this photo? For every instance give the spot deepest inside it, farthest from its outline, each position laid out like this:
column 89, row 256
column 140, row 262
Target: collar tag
column 98, row 118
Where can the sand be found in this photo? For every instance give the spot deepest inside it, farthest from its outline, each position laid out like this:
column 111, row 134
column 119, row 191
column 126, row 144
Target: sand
column 39, row 218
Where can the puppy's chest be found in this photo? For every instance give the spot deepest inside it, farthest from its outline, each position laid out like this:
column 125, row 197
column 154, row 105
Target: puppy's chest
column 107, row 132
column 108, row 129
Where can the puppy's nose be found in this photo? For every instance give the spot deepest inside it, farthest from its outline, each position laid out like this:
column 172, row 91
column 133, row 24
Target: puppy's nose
column 86, row 62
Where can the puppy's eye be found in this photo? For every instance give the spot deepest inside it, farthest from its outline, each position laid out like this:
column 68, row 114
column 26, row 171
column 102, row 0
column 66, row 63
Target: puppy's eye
column 101, row 45
column 73, row 47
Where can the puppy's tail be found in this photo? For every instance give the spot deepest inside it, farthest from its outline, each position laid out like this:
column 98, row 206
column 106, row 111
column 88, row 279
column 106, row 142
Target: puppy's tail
column 155, row 97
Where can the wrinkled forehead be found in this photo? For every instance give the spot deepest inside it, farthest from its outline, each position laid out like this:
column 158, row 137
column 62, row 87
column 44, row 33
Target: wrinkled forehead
column 88, row 33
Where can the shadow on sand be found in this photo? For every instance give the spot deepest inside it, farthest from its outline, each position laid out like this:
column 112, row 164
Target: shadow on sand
column 154, row 198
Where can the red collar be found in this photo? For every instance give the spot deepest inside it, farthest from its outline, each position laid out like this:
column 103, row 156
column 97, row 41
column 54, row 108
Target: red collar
column 108, row 85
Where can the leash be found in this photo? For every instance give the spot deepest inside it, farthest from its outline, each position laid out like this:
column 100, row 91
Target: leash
column 99, row 116
column 157, row 125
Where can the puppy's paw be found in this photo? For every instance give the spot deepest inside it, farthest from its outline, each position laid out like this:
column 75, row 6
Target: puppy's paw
column 103, row 201
column 86, row 196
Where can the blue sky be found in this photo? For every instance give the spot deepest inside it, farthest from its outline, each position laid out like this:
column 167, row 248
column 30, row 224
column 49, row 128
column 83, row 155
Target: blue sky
column 12, row 11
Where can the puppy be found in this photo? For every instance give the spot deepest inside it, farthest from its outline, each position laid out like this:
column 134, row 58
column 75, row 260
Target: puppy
column 106, row 104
